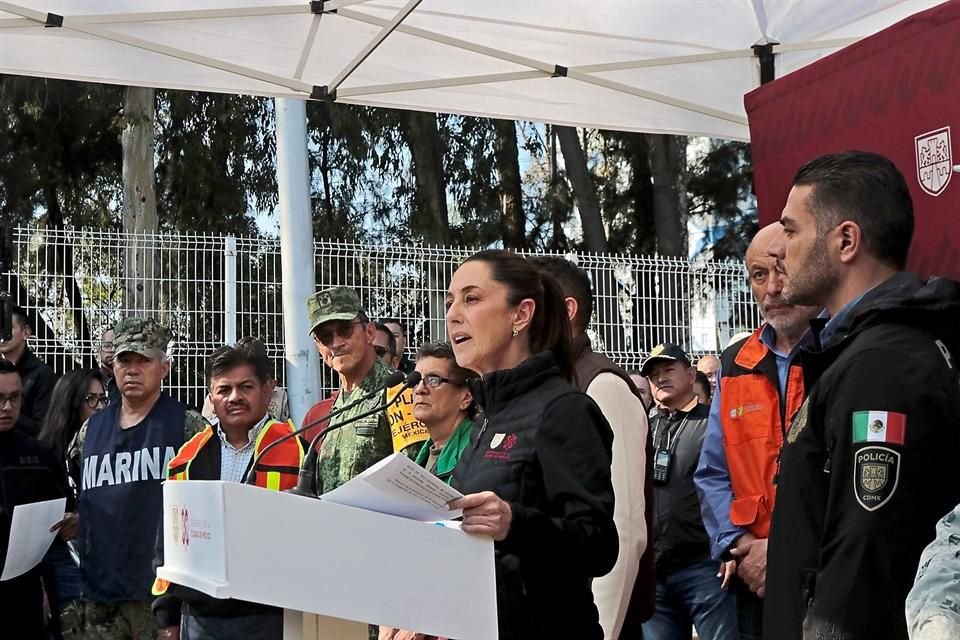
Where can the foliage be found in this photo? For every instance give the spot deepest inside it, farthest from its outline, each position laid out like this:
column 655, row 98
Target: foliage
column 60, row 164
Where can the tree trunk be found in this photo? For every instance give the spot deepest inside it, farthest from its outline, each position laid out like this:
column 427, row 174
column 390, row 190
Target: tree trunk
column 511, row 191
column 584, row 190
column 429, row 218
column 139, row 197
column 668, row 168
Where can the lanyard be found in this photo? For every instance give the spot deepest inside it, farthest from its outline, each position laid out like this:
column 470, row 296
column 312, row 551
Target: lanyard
column 671, row 442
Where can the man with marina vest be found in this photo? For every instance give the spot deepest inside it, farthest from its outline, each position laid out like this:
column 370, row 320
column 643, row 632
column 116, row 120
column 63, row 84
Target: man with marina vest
column 123, row 452
column 240, row 382
column 759, row 389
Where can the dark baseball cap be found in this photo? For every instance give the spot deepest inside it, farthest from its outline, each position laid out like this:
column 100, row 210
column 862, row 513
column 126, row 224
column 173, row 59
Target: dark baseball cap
column 664, row 352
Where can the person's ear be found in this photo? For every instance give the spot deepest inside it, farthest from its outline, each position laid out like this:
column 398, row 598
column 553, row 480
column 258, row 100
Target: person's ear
column 849, row 239
column 467, row 399
column 572, row 308
column 692, row 374
column 371, row 331
column 523, row 315
column 166, row 369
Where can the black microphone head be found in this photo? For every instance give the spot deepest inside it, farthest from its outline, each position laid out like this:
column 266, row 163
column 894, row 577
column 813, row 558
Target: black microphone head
column 412, row 379
column 395, row 378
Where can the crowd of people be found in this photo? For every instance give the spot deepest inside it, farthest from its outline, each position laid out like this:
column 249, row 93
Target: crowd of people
column 786, row 488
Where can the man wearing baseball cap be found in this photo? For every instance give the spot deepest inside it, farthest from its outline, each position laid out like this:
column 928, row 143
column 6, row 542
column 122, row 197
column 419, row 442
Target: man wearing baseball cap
column 344, row 336
column 122, row 453
column 688, row 588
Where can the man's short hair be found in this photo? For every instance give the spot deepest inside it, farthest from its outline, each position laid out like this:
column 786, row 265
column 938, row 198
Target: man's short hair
column 396, row 321
column 391, row 339
column 865, row 188
column 444, row 351
column 21, row 315
column 246, row 351
column 8, row 367
column 574, row 282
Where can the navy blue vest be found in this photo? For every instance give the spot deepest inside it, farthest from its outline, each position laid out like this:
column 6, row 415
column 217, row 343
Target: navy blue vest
column 121, row 499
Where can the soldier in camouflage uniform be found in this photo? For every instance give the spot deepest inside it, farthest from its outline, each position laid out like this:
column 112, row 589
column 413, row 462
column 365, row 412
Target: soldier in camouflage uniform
column 933, row 605
column 121, row 455
column 344, row 337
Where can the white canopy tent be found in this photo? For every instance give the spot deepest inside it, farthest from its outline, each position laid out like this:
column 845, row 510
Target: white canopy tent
column 672, row 66
column 677, row 66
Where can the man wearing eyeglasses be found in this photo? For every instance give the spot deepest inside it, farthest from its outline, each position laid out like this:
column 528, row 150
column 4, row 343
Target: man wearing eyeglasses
column 29, row 472
column 385, row 344
column 344, row 336
column 105, row 354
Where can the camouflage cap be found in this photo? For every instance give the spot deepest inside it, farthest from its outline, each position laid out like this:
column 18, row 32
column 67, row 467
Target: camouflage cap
column 145, row 336
column 337, row 303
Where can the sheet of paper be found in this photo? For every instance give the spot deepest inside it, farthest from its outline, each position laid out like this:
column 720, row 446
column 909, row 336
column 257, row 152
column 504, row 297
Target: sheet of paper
column 398, row 486
column 30, row 535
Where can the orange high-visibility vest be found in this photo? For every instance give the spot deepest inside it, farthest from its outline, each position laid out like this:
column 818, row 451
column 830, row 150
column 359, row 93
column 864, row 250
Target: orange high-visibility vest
column 753, row 428
column 278, row 470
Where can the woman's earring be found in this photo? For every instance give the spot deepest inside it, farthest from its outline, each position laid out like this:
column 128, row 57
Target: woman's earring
column 515, row 332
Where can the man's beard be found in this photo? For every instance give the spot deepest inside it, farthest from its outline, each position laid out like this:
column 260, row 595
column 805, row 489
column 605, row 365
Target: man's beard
column 812, row 283
column 791, row 324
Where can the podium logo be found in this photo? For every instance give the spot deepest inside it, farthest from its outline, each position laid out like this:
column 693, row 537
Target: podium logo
column 934, row 160
column 181, row 524
column 185, row 526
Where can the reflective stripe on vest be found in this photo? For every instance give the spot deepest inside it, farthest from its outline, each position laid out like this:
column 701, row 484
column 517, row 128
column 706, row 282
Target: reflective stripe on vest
column 278, row 470
column 753, row 430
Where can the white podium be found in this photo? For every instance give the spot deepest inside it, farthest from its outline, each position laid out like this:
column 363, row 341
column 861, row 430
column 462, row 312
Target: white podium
column 230, row 540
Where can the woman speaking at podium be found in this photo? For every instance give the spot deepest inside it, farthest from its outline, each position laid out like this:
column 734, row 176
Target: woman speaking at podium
column 536, row 473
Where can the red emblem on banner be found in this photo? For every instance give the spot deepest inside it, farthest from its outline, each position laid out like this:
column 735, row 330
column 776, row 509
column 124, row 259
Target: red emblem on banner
column 934, row 160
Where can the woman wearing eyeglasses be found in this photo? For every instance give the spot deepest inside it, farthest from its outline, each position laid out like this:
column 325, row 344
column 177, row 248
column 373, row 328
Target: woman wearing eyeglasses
column 443, row 403
column 537, row 471
column 76, row 397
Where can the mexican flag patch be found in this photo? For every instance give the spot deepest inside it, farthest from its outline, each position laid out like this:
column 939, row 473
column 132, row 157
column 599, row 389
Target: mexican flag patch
column 879, row 426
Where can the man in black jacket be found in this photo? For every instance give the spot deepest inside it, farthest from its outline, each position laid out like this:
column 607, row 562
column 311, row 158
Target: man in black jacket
column 38, row 379
column 29, row 472
column 869, row 461
column 689, row 590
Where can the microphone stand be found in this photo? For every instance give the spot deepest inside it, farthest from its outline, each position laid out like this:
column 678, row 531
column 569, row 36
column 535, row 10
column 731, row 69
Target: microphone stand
column 392, row 380
column 307, row 479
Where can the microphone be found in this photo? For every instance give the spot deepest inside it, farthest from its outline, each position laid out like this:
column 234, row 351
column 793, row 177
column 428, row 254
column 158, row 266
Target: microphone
column 392, row 380
column 307, row 480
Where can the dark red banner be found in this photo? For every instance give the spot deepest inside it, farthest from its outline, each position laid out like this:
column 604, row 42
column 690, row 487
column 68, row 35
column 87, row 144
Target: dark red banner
column 896, row 93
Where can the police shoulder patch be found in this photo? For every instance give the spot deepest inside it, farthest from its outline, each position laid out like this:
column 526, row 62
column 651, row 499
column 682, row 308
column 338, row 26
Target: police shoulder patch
column 876, row 473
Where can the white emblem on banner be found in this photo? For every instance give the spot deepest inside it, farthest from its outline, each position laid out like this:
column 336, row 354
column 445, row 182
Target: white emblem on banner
column 934, row 160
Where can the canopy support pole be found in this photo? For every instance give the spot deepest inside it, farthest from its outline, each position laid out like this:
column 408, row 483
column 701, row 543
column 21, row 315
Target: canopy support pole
column 296, row 258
